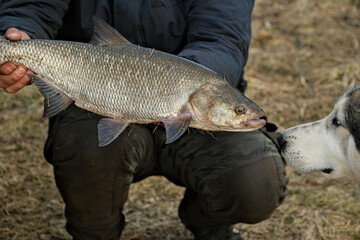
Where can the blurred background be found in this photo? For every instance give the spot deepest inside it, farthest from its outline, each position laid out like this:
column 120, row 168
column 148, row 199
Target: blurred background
column 304, row 55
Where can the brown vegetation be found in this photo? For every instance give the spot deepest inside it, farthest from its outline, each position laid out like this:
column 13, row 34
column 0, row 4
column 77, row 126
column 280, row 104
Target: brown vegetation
column 304, row 55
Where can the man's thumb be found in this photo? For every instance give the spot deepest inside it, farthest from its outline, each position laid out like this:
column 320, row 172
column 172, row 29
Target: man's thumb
column 14, row 34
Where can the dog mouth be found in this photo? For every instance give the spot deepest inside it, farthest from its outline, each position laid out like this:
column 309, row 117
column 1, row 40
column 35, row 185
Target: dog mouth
column 327, row 170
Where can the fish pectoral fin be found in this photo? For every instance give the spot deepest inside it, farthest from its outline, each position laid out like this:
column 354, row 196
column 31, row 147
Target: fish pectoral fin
column 175, row 127
column 105, row 35
column 109, row 129
column 54, row 100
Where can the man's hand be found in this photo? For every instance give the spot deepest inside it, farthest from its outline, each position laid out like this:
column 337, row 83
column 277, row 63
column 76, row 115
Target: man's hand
column 13, row 76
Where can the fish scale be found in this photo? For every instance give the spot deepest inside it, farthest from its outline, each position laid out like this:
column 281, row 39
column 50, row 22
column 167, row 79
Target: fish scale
column 119, row 80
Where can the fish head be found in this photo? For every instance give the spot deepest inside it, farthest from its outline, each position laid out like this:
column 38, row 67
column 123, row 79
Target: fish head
column 221, row 107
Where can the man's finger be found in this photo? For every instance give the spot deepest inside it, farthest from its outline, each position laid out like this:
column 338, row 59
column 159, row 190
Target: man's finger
column 8, row 68
column 25, row 80
column 14, row 34
column 12, row 78
column 18, row 73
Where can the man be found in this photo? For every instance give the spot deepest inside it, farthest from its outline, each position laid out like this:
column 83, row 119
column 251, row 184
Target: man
column 230, row 177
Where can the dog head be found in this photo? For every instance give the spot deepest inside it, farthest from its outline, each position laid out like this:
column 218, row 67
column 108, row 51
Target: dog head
column 330, row 145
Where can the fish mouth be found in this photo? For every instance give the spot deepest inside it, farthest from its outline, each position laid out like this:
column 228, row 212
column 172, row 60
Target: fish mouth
column 258, row 120
column 257, row 123
column 250, row 125
column 253, row 124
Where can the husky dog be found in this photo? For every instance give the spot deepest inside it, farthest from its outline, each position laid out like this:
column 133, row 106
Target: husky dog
column 330, row 145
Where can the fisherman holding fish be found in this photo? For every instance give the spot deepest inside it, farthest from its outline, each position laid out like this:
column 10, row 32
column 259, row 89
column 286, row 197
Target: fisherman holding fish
column 230, row 177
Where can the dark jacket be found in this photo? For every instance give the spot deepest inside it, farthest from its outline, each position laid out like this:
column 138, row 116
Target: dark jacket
column 211, row 32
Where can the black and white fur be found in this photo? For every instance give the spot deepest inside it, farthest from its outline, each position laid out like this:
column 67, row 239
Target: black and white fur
column 330, row 145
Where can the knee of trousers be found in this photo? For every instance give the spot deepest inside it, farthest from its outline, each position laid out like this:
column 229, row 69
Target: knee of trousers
column 93, row 181
column 248, row 194
column 75, row 145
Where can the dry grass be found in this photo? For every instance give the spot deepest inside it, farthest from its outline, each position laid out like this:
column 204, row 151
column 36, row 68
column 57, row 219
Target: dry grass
column 304, row 55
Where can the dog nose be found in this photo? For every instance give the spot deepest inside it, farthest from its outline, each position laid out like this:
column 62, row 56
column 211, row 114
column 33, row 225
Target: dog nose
column 282, row 142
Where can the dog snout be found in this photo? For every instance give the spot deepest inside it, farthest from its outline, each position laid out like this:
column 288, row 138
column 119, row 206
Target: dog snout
column 282, row 142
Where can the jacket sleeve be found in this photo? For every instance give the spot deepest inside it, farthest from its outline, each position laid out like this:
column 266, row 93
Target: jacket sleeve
column 38, row 18
column 219, row 34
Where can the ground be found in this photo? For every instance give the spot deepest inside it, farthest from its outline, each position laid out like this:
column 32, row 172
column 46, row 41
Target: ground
column 304, row 55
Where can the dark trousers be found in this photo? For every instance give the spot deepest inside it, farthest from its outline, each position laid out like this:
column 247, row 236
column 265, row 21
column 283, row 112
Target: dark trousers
column 230, row 177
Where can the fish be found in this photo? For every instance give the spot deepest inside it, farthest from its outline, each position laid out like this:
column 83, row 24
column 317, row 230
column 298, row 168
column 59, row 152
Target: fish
column 127, row 83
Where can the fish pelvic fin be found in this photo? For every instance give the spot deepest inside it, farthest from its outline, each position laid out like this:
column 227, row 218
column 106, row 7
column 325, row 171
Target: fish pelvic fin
column 105, row 35
column 175, row 128
column 55, row 101
column 109, row 129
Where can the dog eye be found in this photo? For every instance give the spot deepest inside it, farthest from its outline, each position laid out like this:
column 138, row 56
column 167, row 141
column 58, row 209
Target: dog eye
column 336, row 122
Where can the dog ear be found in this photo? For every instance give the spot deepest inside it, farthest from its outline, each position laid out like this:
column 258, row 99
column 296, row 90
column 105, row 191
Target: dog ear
column 352, row 116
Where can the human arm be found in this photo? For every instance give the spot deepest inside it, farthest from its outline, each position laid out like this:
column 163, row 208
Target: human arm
column 38, row 18
column 20, row 19
column 219, row 34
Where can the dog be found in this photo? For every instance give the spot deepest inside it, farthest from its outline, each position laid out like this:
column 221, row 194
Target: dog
column 330, row 145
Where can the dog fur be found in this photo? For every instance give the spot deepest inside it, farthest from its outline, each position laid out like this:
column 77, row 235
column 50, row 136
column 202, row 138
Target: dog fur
column 330, row 145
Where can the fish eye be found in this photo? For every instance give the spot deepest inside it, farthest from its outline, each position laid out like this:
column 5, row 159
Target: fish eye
column 240, row 109
column 336, row 122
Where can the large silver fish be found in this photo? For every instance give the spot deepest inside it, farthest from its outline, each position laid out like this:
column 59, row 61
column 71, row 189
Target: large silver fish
column 131, row 84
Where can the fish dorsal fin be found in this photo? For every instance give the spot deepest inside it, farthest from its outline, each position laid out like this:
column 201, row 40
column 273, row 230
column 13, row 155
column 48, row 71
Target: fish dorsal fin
column 105, row 35
column 54, row 100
